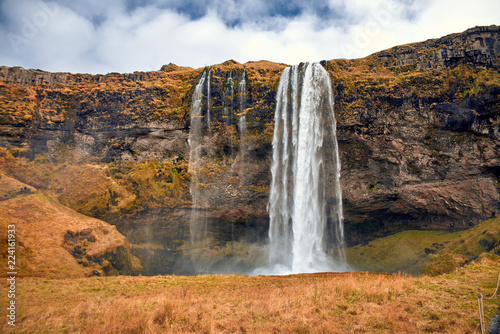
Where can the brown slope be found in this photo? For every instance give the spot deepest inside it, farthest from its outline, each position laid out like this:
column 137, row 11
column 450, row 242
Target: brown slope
column 55, row 241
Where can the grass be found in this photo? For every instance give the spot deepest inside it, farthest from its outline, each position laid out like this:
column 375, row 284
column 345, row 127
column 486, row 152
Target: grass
column 404, row 251
column 428, row 251
column 313, row 303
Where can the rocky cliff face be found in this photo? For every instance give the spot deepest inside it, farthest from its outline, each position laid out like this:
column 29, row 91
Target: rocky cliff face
column 418, row 129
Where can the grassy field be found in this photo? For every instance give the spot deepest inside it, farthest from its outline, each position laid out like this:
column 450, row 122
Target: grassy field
column 425, row 251
column 312, row 303
column 58, row 300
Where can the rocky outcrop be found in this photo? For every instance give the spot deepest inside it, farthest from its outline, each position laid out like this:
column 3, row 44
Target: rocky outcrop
column 420, row 143
column 478, row 46
column 23, row 77
column 418, row 129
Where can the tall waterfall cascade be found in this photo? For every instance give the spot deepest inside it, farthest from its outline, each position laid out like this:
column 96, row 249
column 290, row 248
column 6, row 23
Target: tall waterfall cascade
column 305, row 201
column 305, row 206
column 197, row 229
column 213, row 107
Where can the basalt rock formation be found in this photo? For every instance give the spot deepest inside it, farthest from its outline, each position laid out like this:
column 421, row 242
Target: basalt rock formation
column 418, row 132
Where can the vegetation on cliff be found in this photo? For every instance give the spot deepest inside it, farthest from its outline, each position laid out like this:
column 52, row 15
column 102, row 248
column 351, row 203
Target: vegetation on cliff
column 103, row 190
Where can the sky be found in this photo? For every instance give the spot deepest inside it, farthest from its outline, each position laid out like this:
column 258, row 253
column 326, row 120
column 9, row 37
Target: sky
column 102, row 36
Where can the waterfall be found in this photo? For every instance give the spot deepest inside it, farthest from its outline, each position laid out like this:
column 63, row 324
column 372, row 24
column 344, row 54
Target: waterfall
column 229, row 98
column 229, row 129
column 197, row 221
column 305, row 205
column 243, row 118
column 209, row 124
column 243, row 144
column 243, row 92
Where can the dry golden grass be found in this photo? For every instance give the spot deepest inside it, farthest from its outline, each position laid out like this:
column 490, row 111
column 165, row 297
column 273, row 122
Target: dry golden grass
column 262, row 66
column 314, row 303
column 427, row 251
column 16, row 104
column 10, row 187
column 265, row 65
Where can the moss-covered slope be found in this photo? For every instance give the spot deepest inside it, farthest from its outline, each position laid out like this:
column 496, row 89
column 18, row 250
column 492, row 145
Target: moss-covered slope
column 427, row 252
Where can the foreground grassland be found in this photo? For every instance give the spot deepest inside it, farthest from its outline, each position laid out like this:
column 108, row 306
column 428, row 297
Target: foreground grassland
column 314, row 303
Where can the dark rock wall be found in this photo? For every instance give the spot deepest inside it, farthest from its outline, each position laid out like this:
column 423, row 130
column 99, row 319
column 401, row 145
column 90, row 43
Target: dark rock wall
column 419, row 134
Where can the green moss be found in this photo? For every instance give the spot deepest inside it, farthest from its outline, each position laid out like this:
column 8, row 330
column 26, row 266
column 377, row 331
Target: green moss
column 437, row 251
column 123, row 262
column 108, row 269
column 444, row 263
column 404, row 251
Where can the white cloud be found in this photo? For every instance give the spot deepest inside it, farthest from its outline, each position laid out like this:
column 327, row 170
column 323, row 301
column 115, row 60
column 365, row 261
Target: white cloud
column 443, row 17
column 98, row 36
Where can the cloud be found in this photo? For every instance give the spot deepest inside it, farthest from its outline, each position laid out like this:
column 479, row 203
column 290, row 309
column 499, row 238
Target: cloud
column 124, row 35
column 448, row 16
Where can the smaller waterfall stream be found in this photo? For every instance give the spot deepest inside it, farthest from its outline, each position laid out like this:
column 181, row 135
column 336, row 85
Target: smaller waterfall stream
column 243, row 92
column 230, row 130
column 209, row 122
column 229, row 92
column 243, row 119
column 197, row 223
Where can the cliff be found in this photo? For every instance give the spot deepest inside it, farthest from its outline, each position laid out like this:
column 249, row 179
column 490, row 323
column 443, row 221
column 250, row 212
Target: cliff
column 418, row 130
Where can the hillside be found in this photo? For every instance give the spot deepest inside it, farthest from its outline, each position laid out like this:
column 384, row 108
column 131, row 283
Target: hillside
column 428, row 252
column 54, row 241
